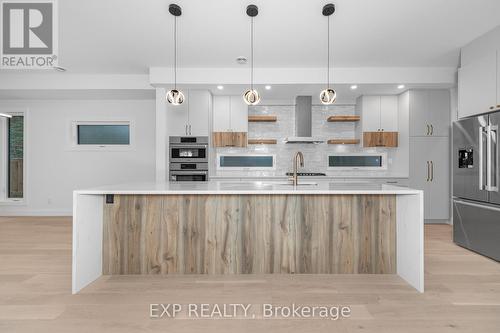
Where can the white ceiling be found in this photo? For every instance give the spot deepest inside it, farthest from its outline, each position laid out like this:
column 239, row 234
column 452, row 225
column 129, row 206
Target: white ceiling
column 129, row 36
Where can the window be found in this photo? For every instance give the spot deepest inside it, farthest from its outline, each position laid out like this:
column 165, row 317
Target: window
column 357, row 161
column 15, row 152
column 246, row 162
column 94, row 135
column 12, row 153
column 103, row 134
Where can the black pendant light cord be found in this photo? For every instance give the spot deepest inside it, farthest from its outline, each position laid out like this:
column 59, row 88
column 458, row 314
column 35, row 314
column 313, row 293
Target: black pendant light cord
column 251, row 51
column 328, row 60
column 175, row 52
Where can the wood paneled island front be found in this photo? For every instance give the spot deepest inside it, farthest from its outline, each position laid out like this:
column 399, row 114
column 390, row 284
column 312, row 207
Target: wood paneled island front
column 247, row 228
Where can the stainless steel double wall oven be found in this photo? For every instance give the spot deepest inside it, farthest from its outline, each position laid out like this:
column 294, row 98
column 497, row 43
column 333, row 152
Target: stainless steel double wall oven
column 188, row 158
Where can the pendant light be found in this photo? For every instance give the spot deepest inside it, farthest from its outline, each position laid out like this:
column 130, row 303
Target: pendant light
column 251, row 96
column 174, row 96
column 328, row 96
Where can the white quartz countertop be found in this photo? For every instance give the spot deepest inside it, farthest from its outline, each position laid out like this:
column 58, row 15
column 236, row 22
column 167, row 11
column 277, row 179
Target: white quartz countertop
column 250, row 187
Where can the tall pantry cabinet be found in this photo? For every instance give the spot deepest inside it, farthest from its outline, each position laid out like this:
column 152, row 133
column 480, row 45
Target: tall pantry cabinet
column 430, row 150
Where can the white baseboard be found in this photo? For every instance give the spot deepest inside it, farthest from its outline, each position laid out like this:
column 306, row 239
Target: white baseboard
column 438, row 222
column 37, row 213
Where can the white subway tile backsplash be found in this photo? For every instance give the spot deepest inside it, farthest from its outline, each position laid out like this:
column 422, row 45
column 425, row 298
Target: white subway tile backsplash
column 315, row 155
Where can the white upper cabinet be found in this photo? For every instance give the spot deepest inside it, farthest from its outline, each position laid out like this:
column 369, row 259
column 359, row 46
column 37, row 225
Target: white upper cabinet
column 370, row 113
column 177, row 118
column 239, row 114
column 419, row 113
column 191, row 118
column 199, row 110
column 230, row 114
column 440, row 109
column 222, row 114
column 498, row 80
column 477, row 86
column 389, row 113
column 378, row 113
column 429, row 113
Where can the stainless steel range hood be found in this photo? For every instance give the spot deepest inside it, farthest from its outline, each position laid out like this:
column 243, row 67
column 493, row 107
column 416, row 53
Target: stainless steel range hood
column 303, row 122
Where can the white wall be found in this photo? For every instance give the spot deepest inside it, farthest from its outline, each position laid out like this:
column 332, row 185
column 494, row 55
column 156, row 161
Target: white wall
column 54, row 170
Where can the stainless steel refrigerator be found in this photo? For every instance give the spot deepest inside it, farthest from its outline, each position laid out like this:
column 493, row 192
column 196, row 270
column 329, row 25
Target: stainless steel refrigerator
column 476, row 199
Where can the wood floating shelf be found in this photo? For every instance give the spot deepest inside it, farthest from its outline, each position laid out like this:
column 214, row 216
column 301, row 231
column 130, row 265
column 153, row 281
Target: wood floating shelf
column 260, row 119
column 343, row 141
column 333, row 119
column 262, row 141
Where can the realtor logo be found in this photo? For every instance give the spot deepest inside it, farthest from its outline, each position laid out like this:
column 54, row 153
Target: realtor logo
column 29, row 36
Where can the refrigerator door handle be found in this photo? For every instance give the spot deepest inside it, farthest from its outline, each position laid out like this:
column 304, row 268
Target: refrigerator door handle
column 481, row 151
column 488, row 158
column 473, row 204
column 493, row 158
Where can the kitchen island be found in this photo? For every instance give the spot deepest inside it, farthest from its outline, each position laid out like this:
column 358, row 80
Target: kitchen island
column 224, row 227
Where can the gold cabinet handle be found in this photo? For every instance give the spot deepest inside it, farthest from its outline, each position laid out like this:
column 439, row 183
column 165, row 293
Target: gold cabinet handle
column 432, row 131
column 428, row 171
column 428, row 129
column 432, row 171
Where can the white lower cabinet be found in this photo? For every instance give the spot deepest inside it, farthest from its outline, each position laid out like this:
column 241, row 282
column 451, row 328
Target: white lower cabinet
column 430, row 172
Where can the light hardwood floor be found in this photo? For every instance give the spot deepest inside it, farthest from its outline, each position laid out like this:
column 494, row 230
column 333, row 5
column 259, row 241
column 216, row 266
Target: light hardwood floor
column 462, row 292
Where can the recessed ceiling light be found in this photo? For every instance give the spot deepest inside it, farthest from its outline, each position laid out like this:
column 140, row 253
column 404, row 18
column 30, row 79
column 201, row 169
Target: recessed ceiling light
column 242, row 60
column 268, row 87
column 354, row 87
column 401, row 86
column 220, row 87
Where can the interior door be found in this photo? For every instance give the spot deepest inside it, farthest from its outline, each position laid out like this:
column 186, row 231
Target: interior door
column 466, row 173
column 420, row 169
column 438, row 151
column 495, row 157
